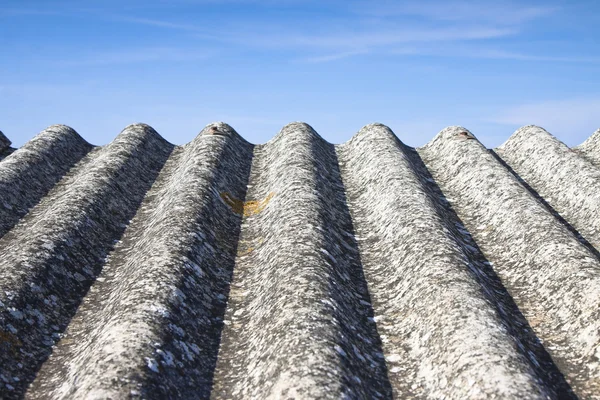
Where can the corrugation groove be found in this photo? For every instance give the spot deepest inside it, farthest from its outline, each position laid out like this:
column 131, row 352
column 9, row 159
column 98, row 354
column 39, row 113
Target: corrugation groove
column 552, row 277
column 151, row 326
column 51, row 258
column 6, row 153
column 4, row 142
column 480, row 268
column 414, row 265
column 298, row 268
column 296, row 295
column 5, row 149
column 568, row 182
column 31, row 171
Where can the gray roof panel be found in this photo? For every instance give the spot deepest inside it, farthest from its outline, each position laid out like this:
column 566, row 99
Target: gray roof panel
column 298, row 268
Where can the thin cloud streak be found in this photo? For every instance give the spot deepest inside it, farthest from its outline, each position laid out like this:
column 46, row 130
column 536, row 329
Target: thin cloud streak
column 351, row 44
column 332, row 57
column 245, row 36
column 501, row 13
column 487, row 53
column 452, row 51
column 134, row 56
column 455, row 22
column 500, row 54
column 387, row 38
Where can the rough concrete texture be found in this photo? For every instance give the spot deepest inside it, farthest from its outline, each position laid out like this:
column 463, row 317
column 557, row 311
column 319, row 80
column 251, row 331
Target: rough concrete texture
column 31, row 171
column 569, row 183
column 552, row 277
column 416, row 258
column 298, row 268
column 590, row 149
column 5, row 149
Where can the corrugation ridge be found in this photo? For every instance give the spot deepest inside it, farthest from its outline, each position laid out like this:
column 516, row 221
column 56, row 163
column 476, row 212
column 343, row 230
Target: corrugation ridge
column 143, row 132
column 374, row 130
column 227, row 130
column 151, row 325
column 414, row 262
column 265, row 315
column 221, row 129
column 290, row 129
column 296, row 290
column 4, row 142
column 590, row 149
column 449, row 132
column 364, row 372
column 568, row 182
column 526, row 130
column 53, row 255
column 32, row 170
column 553, row 278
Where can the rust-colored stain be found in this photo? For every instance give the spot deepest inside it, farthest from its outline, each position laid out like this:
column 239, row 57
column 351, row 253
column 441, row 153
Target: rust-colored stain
column 243, row 252
column 11, row 340
column 214, row 130
column 466, row 135
column 246, row 208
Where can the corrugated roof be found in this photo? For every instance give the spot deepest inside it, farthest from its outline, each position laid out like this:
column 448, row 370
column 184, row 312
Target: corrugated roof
column 299, row 268
column 5, row 148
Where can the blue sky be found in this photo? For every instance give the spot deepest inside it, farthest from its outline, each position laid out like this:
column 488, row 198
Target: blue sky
column 416, row 66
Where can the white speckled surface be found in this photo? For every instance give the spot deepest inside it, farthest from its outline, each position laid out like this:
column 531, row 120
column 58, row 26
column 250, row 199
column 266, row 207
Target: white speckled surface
column 56, row 251
column 553, row 278
column 441, row 336
column 151, row 325
column 590, row 149
column 567, row 181
column 298, row 268
column 30, row 172
column 298, row 315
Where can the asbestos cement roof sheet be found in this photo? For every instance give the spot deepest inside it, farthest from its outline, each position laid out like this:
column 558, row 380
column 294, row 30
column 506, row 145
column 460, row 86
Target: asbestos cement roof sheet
column 299, row 268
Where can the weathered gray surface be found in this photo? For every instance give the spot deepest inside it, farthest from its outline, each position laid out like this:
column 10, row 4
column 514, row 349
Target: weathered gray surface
column 553, row 278
column 31, row 171
column 296, row 268
column 298, row 315
column 567, row 181
column 54, row 254
column 590, row 149
column 5, row 149
column 150, row 326
column 442, row 337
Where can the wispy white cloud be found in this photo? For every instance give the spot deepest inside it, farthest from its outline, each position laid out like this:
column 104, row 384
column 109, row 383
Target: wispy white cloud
column 362, row 27
column 373, row 39
column 509, row 55
column 454, row 51
column 332, row 57
column 134, row 56
column 180, row 26
column 328, row 45
column 499, row 12
column 479, row 51
column 157, row 23
column 283, row 36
